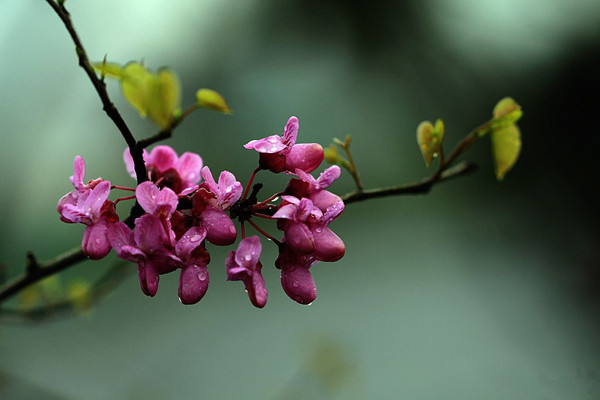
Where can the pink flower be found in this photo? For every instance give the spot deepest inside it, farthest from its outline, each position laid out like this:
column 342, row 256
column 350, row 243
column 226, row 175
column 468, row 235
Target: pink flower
column 314, row 189
column 296, row 279
column 89, row 205
column 150, row 246
column 193, row 280
column 159, row 202
column 165, row 168
column 244, row 265
column 226, row 192
column 281, row 153
column 306, row 231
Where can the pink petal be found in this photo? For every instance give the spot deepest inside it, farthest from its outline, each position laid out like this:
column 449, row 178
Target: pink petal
column 209, row 180
column 328, row 246
column 219, row 227
column 189, row 242
column 68, row 199
column 257, row 291
column 286, row 212
column 290, row 133
column 304, row 156
column 333, row 212
column 189, row 166
column 299, row 237
column 248, row 252
column 149, row 234
column 97, row 197
column 234, row 271
column 167, row 201
column 162, row 158
column 148, row 275
column 328, row 176
column 95, row 245
column 78, row 173
column 193, row 283
column 231, row 190
column 146, row 194
column 119, row 235
column 324, row 199
column 269, row 145
column 298, row 284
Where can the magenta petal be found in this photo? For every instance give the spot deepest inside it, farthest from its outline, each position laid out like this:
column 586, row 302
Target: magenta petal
column 234, row 271
column 149, row 234
column 97, row 197
column 299, row 237
column 304, row 156
column 328, row 246
column 220, row 229
column 189, row 242
column 269, row 145
column 95, row 245
column 189, row 166
column 166, row 201
column 248, row 252
column 78, row 173
column 209, row 180
column 257, row 291
column 230, row 190
column 193, row 283
column 286, row 212
column 162, row 158
column 120, row 235
column 148, row 274
column 298, row 284
column 68, row 199
column 333, row 212
column 324, row 199
column 290, row 132
column 146, row 193
column 328, row 176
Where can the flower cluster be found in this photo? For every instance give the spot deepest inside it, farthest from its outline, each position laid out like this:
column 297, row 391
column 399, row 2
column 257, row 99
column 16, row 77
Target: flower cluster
column 186, row 210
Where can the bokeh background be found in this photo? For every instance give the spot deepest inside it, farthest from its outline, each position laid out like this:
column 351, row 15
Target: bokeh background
column 478, row 290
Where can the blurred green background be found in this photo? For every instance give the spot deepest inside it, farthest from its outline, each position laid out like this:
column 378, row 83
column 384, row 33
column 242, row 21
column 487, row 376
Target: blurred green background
column 478, row 290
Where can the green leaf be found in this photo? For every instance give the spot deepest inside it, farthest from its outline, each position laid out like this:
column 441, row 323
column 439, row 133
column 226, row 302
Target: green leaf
column 164, row 96
column 332, row 156
column 506, row 113
column 429, row 138
column 112, row 70
column 136, row 83
column 210, row 99
column 506, row 146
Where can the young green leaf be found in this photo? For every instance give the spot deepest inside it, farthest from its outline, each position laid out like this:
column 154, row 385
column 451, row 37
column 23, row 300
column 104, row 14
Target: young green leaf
column 210, row 99
column 429, row 138
column 506, row 113
column 136, row 83
column 332, row 156
column 506, row 146
column 112, row 70
column 164, row 97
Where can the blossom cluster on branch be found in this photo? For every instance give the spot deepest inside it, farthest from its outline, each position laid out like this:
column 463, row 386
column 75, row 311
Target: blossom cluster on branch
column 185, row 209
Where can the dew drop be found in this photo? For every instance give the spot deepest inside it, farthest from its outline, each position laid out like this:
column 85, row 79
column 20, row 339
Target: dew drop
column 195, row 238
column 295, row 284
column 202, row 275
column 247, row 257
column 318, row 230
column 232, row 230
column 228, row 190
column 273, row 140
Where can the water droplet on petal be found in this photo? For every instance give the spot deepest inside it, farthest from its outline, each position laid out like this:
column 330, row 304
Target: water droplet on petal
column 202, row 276
column 232, row 230
column 273, row 148
column 195, row 238
column 228, row 190
column 295, row 284
column 273, row 140
column 318, row 230
column 247, row 257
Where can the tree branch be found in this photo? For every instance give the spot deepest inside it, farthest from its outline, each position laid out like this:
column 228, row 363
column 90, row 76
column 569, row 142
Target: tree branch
column 108, row 106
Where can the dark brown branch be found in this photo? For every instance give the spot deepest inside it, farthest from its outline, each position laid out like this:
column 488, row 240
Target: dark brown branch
column 36, row 272
column 422, row 187
column 103, row 286
column 108, row 106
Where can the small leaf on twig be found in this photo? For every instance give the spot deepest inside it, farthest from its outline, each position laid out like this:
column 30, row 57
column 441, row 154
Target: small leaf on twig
column 208, row 98
column 429, row 138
